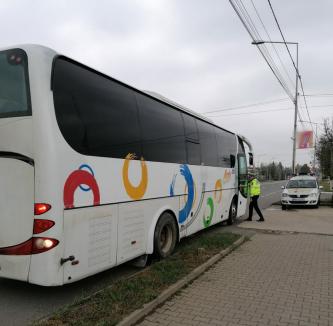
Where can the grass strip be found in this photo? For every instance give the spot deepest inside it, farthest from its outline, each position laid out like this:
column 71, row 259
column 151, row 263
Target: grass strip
column 109, row 306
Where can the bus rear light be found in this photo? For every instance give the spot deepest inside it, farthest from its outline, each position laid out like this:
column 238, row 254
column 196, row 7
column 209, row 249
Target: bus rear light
column 43, row 244
column 30, row 247
column 41, row 208
column 42, row 225
column 23, row 248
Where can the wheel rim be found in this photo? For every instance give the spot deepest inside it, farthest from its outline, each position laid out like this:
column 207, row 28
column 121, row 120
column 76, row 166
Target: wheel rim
column 166, row 236
column 233, row 211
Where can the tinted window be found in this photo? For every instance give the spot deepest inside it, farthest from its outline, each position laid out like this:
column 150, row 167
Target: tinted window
column 14, row 85
column 303, row 183
column 208, row 143
column 226, row 145
column 192, row 140
column 162, row 131
column 96, row 115
column 241, row 149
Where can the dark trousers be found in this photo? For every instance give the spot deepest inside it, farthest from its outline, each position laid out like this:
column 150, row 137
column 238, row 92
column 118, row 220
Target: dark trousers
column 254, row 203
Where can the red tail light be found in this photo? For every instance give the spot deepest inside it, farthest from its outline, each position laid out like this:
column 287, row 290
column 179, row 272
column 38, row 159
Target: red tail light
column 30, row 247
column 42, row 225
column 42, row 244
column 41, row 208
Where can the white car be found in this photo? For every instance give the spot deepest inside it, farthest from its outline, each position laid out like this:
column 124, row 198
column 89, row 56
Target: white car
column 301, row 190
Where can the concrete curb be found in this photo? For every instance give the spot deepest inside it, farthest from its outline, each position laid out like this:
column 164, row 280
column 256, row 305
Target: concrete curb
column 138, row 314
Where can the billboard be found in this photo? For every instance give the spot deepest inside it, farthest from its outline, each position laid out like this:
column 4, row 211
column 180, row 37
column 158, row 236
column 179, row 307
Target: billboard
column 305, row 139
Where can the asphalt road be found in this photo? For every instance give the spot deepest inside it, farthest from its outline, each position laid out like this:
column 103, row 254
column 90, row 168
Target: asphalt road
column 21, row 303
column 271, row 193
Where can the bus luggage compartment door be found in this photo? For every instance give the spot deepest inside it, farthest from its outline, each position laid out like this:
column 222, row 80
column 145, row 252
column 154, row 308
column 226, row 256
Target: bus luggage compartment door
column 16, row 216
column 90, row 241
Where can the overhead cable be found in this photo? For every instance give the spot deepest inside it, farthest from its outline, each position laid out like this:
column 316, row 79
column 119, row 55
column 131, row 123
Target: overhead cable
column 254, row 35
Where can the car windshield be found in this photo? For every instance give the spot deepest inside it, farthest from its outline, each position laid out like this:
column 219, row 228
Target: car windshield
column 302, row 184
column 14, row 89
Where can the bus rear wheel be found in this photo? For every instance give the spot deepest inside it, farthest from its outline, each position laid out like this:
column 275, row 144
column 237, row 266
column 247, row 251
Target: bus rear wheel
column 232, row 212
column 165, row 236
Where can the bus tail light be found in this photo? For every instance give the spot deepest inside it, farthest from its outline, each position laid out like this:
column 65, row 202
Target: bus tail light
column 42, row 225
column 42, row 244
column 41, row 208
column 30, row 247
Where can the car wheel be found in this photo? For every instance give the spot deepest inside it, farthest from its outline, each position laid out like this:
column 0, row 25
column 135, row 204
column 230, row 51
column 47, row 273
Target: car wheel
column 165, row 235
column 283, row 207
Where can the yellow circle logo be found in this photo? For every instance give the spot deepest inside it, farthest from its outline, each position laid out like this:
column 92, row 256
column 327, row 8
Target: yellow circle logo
column 218, row 190
column 135, row 192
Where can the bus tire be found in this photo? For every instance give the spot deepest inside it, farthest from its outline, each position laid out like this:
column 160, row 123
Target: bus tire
column 165, row 235
column 232, row 212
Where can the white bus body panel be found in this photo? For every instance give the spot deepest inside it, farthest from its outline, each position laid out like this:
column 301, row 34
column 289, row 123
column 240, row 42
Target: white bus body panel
column 16, row 214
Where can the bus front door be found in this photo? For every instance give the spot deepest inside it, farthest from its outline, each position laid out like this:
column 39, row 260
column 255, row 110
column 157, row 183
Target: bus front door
column 242, row 185
column 16, row 217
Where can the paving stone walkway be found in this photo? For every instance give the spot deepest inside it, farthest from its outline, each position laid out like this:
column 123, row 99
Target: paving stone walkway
column 273, row 279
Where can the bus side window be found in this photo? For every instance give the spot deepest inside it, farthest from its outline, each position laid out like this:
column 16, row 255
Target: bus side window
column 96, row 115
column 192, row 140
column 226, row 148
column 208, row 144
column 232, row 161
column 162, row 131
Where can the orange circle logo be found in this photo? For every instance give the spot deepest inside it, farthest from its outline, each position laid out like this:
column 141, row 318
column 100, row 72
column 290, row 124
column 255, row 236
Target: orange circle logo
column 135, row 192
column 218, row 190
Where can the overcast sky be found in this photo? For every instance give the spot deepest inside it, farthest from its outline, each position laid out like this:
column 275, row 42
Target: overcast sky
column 196, row 53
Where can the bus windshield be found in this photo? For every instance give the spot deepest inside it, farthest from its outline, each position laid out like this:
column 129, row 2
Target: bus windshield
column 14, row 86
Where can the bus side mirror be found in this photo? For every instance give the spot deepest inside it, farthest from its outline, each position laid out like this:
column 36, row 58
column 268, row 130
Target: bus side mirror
column 250, row 159
column 232, row 161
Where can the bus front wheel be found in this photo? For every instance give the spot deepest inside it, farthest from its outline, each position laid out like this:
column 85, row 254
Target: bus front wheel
column 232, row 212
column 165, row 236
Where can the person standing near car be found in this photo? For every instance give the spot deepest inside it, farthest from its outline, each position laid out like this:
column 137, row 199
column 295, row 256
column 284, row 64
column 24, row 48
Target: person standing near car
column 254, row 191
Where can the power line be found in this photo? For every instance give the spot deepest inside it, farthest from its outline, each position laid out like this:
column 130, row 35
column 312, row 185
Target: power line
column 247, row 113
column 273, row 45
column 265, row 49
column 321, row 106
column 318, row 95
column 240, row 107
column 251, row 112
column 251, row 31
column 292, row 60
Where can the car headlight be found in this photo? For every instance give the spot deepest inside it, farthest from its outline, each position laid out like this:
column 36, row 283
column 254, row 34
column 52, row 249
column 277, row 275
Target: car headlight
column 284, row 195
column 313, row 195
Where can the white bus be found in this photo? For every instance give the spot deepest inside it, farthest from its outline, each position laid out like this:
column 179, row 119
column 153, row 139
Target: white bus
column 94, row 173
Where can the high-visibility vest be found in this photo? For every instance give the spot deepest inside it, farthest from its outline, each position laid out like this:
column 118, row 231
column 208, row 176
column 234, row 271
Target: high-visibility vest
column 254, row 187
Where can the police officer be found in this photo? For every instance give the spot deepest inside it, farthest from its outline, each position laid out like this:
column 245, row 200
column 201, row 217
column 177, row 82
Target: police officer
column 254, row 190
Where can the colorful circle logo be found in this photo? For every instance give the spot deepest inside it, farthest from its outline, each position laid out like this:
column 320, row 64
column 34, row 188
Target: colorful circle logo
column 135, row 192
column 74, row 180
column 86, row 167
column 185, row 211
column 218, row 191
column 207, row 220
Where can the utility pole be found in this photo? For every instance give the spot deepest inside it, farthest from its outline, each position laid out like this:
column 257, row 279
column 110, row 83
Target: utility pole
column 315, row 148
column 295, row 114
column 259, row 42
